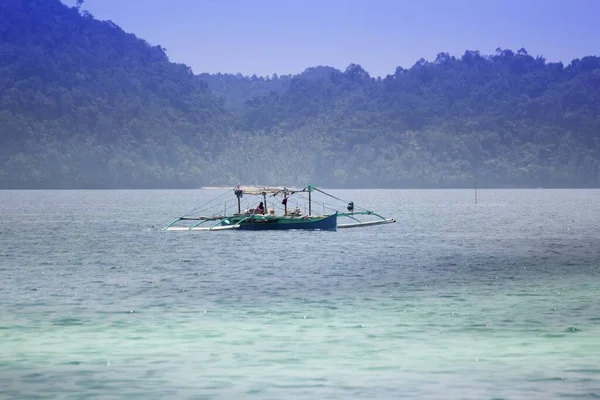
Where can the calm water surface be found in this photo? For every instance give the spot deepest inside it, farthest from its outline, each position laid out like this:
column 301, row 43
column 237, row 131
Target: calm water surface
column 456, row 300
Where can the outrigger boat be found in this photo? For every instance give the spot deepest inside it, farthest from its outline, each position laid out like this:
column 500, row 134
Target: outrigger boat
column 267, row 219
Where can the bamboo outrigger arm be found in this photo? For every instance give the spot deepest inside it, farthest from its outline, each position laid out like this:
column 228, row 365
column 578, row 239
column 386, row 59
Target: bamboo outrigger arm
column 196, row 227
column 359, row 223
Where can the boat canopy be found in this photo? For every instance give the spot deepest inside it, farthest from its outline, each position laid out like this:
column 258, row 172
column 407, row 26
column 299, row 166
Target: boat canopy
column 262, row 190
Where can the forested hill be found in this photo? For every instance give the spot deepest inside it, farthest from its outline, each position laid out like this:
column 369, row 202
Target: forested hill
column 503, row 120
column 85, row 104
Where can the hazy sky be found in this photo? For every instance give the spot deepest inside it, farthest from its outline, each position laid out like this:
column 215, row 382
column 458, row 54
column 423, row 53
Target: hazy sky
column 267, row 36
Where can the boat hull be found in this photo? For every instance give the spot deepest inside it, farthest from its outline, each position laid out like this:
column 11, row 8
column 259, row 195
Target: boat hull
column 267, row 223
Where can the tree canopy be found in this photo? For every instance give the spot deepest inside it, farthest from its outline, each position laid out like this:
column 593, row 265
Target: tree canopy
column 85, row 104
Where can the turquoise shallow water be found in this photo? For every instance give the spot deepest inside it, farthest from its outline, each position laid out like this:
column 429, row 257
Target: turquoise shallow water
column 456, row 300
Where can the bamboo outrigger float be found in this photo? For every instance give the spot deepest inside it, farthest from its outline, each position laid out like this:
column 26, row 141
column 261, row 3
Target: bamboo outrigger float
column 267, row 219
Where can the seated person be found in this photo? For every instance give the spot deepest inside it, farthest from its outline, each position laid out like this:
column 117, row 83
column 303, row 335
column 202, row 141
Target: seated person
column 260, row 209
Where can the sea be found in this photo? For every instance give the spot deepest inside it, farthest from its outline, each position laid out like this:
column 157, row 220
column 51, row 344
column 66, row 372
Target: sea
column 456, row 300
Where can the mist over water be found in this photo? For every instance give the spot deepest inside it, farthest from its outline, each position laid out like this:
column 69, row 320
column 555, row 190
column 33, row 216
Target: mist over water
column 455, row 300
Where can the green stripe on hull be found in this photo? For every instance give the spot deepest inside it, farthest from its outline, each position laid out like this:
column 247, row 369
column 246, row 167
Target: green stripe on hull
column 272, row 222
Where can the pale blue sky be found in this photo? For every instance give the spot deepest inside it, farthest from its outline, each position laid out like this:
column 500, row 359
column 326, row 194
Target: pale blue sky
column 267, row 36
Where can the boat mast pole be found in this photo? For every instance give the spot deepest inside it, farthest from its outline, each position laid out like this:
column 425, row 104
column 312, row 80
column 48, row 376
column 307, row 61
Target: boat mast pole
column 309, row 200
column 239, row 193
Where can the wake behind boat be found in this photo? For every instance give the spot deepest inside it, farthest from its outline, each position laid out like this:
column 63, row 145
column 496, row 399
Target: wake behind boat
column 274, row 213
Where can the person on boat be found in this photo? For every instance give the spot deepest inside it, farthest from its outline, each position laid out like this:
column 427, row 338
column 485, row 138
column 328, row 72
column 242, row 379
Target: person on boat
column 260, row 209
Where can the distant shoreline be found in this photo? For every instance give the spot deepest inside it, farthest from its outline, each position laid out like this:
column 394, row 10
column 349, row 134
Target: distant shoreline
column 321, row 187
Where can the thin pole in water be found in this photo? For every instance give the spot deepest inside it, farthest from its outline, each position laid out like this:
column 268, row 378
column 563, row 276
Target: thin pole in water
column 475, row 194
